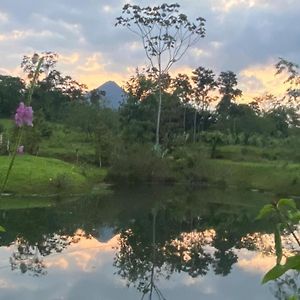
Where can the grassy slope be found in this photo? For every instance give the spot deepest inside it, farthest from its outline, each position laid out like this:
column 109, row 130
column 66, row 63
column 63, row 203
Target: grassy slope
column 63, row 144
column 249, row 167
column 279, row 177
column 46, row 175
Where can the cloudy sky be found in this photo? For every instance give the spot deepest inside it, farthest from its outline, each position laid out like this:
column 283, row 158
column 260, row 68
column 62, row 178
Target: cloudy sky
column 245, row 36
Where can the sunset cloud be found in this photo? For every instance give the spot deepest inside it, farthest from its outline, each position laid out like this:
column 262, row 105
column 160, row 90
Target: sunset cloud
column 245, row 36
column 259, row 79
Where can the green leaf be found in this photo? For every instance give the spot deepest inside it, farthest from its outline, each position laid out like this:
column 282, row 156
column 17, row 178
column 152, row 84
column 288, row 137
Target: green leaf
column 284, row 203
column 278, row 245
column 274, row 273
column 296, row 217
column 292, row 263
column 2, row 229
column 267, row 210
column 295, row 297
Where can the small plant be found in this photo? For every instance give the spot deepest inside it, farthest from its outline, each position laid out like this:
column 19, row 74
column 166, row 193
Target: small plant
column 214, row 138
column 61, row 182
column 286, row 216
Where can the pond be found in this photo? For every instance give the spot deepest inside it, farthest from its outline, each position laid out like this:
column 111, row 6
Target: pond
column 149, row 242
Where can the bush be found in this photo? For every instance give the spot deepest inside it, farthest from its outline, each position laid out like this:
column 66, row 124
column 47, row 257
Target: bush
column 140, row 163
column 61, row 182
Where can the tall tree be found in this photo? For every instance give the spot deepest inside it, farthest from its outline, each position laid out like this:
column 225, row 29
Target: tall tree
column 205, row 83
column 55, row 92
column 182, row 89
column 227, row 83
column 12, row 91
column 97, row 97
column 138, row 111
column 293, row 91
column 166, row 35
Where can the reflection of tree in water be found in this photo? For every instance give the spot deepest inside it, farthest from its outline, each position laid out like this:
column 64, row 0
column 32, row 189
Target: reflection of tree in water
column 194, row 232
column 287, row 286
column 189, row 253
column 186, row 240
column 141, row 265
column 26, row 257
column 29, row 258
column 196, row 251
column 46, row 231
column 265, row 243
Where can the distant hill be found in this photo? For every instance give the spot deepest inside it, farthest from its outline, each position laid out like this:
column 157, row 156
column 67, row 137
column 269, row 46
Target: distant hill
column 114, row 94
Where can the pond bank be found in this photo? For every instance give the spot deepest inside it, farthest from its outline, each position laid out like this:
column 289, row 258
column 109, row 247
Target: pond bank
column 40, row 175
column 48, row 176
column 278, row 177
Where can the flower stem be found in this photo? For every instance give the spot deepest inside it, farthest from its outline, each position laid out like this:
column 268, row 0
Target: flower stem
column 12, row 160
column 34, row 80
column 20, row 133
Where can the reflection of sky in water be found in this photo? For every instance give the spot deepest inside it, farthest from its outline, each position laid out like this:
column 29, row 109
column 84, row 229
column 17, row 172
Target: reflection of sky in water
column 85, row 271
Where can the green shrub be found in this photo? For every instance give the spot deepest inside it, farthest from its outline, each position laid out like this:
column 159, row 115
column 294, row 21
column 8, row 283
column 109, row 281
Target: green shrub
column 61, row 182
column 140, row 163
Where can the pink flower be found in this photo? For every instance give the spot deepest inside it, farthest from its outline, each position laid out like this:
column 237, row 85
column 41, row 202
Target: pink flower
column 24, row 115
column 20, row 150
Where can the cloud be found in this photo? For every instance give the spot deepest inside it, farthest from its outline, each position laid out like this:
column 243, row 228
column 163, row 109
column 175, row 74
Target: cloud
column 16, row 35
column 259, row 79
column 71, row 58
column 3, row 17
column 256, row 263
column 241, row 34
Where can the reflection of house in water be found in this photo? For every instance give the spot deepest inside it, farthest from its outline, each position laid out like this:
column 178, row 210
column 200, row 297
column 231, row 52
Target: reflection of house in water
column 104, row 233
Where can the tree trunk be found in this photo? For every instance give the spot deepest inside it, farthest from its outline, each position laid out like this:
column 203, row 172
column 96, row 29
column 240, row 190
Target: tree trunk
column 159, row 103
column 195, row 126
column 213, row 149
column 152, row 284
column 158, row 115
column 184, row 119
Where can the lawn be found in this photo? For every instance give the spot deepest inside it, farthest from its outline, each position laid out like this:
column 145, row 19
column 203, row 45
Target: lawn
column 279, row 177
column 40, row 175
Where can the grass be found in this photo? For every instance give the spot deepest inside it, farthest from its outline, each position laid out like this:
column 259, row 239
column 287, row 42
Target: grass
column 62, row 165
column 7, row 123
column 275, row 169
column 245, row 167
column 41, row 175
column 287, row 151
column 278, row 177
column 66, row 144
column 7, row 203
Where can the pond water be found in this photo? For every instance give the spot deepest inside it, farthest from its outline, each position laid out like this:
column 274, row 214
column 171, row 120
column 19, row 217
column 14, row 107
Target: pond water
column 169, row 243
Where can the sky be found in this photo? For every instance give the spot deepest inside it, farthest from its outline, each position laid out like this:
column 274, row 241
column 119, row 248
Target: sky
column 244, row 36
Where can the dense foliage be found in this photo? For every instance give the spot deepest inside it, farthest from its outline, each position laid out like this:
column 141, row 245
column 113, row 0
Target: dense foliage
column 203, row 118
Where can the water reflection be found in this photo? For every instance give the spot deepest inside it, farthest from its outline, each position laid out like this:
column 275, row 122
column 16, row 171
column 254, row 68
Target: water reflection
column 30, row 258
column 287, row 286
column 145, row 256
column 154, row 236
